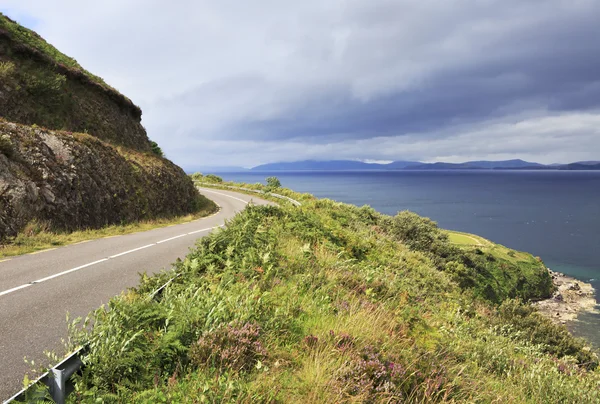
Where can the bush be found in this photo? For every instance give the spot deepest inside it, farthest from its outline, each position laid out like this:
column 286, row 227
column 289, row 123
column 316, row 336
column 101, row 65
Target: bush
column 7, row 69
column 156, row 149
column 196, row 176
column 273, row 183
column 537, row 329
column 45, row 83
column 232, row 347
column 213, row 178
column 495, row 279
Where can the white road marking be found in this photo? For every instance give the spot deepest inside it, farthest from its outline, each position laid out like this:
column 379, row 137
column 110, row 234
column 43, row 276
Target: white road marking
column 169, row 239
column 130, row 251
column 201, row 230
column 219, row 193
column 6, row 292
column 69, row 271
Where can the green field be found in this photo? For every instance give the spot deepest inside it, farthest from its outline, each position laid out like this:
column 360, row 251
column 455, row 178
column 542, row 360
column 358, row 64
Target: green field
column 466, row 239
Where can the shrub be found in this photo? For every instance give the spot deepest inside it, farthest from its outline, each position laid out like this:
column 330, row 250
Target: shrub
column 232, row 347
column 213, row 178
column 537, row 329
column 156, row 149
column 7, row 69
column 273, row 183
column 197, row 176
column 45, row 83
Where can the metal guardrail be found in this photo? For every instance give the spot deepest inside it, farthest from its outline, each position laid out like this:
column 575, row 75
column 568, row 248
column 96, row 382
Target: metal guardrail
column 216, row 185
column 58, row 378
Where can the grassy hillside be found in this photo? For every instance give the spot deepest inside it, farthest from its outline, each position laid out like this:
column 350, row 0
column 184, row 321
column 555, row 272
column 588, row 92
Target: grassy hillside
column 40, row 85
column 334, row 303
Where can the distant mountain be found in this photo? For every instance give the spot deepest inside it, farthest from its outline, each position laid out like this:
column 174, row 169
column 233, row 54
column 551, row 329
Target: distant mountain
column 443, row 166
column 517, row 163
column 213, row 169
column 313, row 165
column 400, row 165
column 350, row 165
column 582, row 165
column 480, row 165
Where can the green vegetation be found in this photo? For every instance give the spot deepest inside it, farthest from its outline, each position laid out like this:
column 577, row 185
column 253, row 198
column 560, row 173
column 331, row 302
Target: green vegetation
column 43, row 86
column 198, row 177
column 34, row 41
column 465, row 239
column 38, row 236
column 333, row 303
column 273, row 183
column 156, row 149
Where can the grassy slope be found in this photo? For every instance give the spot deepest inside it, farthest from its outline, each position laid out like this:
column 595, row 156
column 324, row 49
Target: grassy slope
column 32, row 40
column 325, row 303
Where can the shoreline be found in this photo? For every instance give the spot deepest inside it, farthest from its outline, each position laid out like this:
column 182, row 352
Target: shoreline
column 571, row 297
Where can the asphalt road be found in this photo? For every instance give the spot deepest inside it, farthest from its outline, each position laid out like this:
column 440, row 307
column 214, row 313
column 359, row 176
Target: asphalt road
column 37, row 290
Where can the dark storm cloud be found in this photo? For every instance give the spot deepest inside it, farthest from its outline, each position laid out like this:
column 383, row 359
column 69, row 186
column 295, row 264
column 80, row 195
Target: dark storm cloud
column 245, row 83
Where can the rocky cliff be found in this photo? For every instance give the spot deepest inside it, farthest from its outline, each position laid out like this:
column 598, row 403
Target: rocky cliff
column 73, row 152
column 75, row 181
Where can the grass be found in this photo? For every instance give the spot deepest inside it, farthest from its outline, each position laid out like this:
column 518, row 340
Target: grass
column 36, row 237
column 33, row 40
column 331, row 303
column 472, row 241
column 466, row 239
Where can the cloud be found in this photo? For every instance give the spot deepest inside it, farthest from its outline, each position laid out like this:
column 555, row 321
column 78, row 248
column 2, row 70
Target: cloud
column 251, row 82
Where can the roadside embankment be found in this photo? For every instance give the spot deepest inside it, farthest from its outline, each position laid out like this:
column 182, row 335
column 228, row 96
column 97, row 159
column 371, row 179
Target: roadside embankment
column 74, row 181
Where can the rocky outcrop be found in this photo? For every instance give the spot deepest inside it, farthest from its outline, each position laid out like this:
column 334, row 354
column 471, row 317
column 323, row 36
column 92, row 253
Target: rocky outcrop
column 571, row 297
column 73, row 181
column 94, row 164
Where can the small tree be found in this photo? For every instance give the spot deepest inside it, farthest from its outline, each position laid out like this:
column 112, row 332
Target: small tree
column 197, row 176
column 213, row 178
column 156, row 149
column 273, row 183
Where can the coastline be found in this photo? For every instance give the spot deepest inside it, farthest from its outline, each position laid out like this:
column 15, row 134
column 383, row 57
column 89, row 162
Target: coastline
column 571, row 297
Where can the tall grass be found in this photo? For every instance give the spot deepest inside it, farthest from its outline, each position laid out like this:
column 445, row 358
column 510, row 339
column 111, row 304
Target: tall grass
column 325, row 303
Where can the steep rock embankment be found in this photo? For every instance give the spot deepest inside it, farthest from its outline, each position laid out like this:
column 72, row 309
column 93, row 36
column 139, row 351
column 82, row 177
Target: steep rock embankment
column 94, row 164
column 39, row 85
column 74, row 181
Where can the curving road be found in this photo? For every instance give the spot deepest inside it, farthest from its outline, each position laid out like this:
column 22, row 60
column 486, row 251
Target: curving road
column 37, row 290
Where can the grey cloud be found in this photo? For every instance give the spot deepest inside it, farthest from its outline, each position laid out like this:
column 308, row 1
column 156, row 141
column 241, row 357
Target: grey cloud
column 369, row 79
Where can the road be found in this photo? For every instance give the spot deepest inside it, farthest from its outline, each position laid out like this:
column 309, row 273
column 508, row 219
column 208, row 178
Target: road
column 37, row 290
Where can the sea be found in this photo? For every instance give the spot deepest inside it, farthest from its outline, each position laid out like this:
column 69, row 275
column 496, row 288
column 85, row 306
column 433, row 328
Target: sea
column 551, row 214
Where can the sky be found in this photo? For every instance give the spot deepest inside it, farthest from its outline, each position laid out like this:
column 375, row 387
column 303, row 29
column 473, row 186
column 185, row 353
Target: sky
column 241, row 83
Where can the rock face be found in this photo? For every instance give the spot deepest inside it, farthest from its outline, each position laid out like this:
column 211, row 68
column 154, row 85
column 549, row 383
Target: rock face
column 94, row 164
column 570, row 298
column 73, row 181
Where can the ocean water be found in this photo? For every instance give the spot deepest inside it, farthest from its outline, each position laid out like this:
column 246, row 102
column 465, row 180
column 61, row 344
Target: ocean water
column 551, row 214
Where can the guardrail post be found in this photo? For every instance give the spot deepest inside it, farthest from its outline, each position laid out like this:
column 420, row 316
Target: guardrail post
column 59, row 376
column 56, row 384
